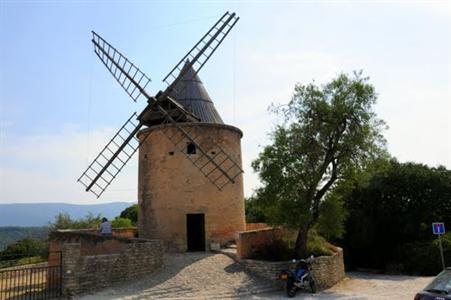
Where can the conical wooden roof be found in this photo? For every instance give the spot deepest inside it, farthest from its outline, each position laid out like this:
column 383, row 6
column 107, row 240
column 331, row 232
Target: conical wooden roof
column 191, row 93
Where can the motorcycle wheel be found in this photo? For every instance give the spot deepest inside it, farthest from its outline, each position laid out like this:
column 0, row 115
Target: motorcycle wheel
column 312, row 285
column 290, row 288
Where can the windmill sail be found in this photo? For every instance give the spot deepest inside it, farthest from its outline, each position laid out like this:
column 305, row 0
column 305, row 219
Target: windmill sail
column 202, row 50
column 110, row 161
column 132, row 79
column 220, row 168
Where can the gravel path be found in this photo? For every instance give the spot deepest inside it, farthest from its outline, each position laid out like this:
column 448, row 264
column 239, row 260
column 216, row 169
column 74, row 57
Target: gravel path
column 216, row 276
column 190, row 276
column 359, row 286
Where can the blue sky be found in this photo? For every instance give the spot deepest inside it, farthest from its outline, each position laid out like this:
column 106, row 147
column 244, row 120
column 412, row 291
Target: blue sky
column 59, row 105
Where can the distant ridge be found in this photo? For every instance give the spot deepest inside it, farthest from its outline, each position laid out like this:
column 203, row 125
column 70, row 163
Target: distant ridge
column 40, row 214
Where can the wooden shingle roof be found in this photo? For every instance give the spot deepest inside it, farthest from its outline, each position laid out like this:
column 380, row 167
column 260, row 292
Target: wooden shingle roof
column 191, row 93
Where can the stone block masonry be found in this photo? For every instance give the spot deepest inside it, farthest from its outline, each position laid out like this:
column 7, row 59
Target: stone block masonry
column 327, row 270
column 87, row 271
column 249, row 241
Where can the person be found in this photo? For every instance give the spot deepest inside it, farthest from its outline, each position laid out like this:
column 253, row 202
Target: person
column 105, row 227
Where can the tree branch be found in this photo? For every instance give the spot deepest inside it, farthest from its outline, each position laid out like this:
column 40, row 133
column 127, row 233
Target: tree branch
column 319, row 194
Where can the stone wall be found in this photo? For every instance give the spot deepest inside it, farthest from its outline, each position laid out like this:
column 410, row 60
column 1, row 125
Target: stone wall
column 249, row 241
column 255, row 226
column 327, row 270
column 170, row 186
column 91, row 262
column 127, row 232
column 91, row 243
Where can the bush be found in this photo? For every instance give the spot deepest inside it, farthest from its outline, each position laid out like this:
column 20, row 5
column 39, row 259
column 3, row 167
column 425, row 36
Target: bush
column 24, row 248
column 254, row 213
column 318, row 246
column 130, row 213
column 424, row 257
column 64, row 221
column 119, row 222
column 390, row 216
column 282, row 248
column 30, row 260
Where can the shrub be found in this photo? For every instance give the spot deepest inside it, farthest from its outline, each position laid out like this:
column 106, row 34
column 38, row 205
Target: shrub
column 24, row 248
column 130, row 213
column 282, row 248
column 119, row 222
column 318, row 246
column 64, row 221
column 423, row 257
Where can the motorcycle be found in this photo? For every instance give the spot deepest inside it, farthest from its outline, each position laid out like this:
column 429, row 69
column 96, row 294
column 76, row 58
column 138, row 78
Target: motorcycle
column 299, row 278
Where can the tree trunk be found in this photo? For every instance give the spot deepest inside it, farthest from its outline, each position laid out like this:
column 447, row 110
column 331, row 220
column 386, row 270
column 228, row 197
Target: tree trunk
column 300, row 248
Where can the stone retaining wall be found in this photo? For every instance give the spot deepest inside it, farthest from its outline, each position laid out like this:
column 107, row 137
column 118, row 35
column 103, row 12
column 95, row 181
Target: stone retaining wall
column 249, row 241
column 327, row 270
column 91, row 262
column 255, row 226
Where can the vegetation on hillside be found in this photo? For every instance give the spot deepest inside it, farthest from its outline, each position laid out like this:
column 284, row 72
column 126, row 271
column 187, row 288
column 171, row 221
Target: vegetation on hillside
column 24, row 251
column 9, row 235
column 25, row 245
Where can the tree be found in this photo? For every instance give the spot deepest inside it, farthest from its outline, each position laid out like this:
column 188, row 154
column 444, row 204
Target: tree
column 24, row 248
column 119, row 222
column 131, row 213
column 254, row 214
column 396, row 207
column 64, row 221
column 328, row 132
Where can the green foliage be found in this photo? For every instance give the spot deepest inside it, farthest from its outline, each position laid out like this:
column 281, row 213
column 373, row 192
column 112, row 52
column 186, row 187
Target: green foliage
column 131, row 213
column 423, row 257
column 11, row 234
column 24, row 248
column 30, row 260
column 329, row 132
column 254, row 213
column 119, row 222
column 331, row 221
column 390, row 218
column 318, row 245
column 64, row 221
column 282, row 249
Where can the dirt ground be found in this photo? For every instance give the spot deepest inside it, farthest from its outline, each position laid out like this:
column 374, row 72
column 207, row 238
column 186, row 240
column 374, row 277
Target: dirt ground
column 358, row 285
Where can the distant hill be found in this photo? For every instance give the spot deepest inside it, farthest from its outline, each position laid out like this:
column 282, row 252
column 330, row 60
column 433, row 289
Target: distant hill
column 40, row 214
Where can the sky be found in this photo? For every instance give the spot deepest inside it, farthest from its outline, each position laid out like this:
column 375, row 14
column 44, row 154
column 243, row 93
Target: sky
column 59, row 105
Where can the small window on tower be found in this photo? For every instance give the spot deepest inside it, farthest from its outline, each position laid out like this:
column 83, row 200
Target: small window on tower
column 191, row 148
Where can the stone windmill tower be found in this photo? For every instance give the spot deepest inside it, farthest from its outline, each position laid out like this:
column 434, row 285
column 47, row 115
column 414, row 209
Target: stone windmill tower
column 190, row 187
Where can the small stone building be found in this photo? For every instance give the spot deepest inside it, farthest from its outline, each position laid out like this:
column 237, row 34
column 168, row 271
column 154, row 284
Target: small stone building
column 177, row 203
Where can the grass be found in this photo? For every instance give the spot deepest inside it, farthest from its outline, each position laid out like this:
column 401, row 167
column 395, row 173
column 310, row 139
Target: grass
column 318, row 246
column 21, row 261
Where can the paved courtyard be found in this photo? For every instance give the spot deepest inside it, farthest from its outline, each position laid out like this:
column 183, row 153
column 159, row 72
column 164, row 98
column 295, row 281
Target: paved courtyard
column 191, row 276
column 216, row 276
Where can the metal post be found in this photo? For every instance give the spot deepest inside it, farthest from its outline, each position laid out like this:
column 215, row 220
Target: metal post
column 441, row 250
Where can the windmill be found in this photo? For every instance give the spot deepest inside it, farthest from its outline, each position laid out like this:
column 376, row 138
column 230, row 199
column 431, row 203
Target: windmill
column 219, row 168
